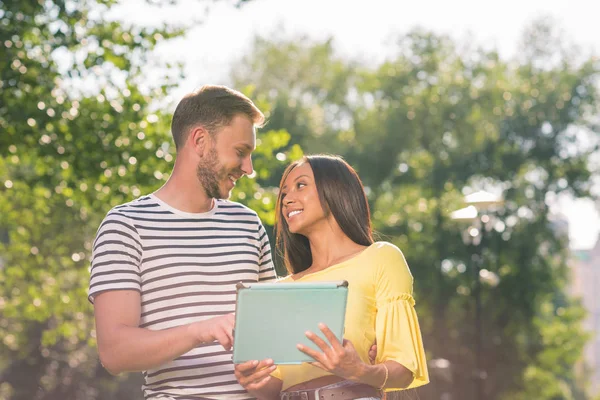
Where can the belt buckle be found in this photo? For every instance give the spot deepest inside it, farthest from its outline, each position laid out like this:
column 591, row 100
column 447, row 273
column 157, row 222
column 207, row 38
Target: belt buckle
column 317, row 391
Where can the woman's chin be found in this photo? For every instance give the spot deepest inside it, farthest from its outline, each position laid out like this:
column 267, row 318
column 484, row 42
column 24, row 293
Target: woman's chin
column 301, row 232
column 295, row 230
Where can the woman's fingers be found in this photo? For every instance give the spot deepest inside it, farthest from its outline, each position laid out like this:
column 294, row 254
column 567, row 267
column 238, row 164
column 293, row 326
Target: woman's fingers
column 319, row 365
column 373, row 354
column 317, row 356
column 325, row 347
column 335, row 343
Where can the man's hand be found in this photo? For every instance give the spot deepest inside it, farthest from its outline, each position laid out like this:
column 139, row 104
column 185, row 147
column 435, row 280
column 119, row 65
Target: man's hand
column 217, row 328
column 254, row 375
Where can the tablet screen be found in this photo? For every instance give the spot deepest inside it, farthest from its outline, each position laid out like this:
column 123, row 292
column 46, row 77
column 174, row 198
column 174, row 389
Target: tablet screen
column 272, row 318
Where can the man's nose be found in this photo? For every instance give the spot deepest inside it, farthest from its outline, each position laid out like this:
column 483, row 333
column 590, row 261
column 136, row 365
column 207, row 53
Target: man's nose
column 247, row 166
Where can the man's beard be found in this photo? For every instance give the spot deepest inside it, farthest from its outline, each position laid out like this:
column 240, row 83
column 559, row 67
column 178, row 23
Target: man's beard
column 210, row 173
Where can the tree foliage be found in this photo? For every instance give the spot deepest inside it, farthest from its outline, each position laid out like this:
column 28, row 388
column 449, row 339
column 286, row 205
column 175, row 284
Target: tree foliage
column 82, row 129
column 435, row 121
column 80, row 133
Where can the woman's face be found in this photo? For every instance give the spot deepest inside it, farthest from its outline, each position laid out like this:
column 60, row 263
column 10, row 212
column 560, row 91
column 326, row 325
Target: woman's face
column 300, row 205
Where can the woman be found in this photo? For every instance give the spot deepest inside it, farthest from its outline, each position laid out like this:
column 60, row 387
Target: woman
column 324, row 234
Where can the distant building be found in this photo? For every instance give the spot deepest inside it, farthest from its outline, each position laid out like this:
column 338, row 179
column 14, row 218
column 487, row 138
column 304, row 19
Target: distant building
column 585, row 283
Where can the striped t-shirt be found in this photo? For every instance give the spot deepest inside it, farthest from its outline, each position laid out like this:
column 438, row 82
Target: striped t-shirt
column 185, row 267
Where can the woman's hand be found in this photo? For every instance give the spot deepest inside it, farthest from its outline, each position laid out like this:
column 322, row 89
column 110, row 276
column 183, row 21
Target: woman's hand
column 373, row 352
column 340, row 359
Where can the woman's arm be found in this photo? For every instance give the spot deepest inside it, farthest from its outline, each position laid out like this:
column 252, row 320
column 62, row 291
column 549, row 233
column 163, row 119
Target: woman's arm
column 397, row 375
column 342, row 360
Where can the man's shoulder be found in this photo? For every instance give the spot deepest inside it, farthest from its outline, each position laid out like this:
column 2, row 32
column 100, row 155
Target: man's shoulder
column 234, row 208
column 137, row 205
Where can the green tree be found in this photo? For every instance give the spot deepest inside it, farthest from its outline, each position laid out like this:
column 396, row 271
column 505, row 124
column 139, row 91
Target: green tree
column 436, row 120
column 79, row 134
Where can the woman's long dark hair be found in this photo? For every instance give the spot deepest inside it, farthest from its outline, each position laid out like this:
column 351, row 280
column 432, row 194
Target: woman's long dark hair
column 341, row 193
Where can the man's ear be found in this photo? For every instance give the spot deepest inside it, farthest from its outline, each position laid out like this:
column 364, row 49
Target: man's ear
column 199, row 140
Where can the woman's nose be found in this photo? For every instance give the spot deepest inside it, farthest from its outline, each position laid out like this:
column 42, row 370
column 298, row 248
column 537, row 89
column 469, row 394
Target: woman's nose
column 288, row 200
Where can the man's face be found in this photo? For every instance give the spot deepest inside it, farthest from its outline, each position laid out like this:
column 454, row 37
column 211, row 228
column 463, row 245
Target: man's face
column 228, row 157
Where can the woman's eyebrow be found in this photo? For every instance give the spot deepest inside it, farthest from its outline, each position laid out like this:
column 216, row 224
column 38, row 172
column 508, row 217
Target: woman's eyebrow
column 284, row 186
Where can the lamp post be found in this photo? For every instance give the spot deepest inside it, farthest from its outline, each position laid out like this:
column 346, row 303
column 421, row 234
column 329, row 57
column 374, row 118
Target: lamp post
column 476, row 213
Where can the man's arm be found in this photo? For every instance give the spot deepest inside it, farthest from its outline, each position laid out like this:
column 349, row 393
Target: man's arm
column 125, row 347
column 266, row 268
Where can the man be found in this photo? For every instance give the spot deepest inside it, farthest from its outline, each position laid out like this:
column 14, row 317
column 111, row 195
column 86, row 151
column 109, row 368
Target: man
column 164, row 266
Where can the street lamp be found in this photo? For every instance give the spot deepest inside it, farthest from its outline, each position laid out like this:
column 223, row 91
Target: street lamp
column 477, row 214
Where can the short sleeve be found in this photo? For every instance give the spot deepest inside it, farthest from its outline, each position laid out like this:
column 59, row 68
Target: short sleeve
column 265, row 262
column 116, row 256
column 397, row 326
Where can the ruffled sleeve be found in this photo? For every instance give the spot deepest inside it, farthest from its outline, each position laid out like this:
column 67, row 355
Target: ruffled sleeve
column 397, row 326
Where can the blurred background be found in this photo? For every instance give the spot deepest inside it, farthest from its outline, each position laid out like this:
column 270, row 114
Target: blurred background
column 474, row 126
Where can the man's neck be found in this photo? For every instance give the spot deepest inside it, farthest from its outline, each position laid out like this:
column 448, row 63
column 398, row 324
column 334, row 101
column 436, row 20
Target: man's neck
column 183, row 192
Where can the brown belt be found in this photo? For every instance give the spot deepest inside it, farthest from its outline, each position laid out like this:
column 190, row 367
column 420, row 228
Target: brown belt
column 350, row 392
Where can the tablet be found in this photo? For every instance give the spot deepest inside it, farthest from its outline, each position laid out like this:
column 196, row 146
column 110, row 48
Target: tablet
column 272, row 318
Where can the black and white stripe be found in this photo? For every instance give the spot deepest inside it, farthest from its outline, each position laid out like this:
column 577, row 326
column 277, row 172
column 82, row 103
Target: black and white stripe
column 186, row 267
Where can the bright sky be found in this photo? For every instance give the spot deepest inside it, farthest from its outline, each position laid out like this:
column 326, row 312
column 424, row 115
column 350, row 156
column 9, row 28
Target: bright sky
column 362, row 29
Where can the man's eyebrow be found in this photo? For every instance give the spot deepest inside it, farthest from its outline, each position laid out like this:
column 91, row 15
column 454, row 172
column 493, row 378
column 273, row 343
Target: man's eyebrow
column 246, row 146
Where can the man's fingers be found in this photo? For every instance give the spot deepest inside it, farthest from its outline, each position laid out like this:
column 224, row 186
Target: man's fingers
column 260, row 384
column 251, row 369
column 225, row 340
column 260, row 366
column 231, row 320
column 260, row 375
column 257, row 377
column 246, row 366
column 264, row 364
column 228, row 331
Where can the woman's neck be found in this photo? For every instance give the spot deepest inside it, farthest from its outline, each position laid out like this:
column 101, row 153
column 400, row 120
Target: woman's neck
column 329, row 245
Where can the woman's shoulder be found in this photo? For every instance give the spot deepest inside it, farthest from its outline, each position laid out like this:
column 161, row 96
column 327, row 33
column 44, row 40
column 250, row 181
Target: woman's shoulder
column 389, row 261
column 386, row 249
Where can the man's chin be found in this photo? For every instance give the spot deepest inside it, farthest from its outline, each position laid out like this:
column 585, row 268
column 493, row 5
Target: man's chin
column 225, row 194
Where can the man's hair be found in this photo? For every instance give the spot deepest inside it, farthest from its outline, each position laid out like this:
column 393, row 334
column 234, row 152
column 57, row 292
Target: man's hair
column 213, row 107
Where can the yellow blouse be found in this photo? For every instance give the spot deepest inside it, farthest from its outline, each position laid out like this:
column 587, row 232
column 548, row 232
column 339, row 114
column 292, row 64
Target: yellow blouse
column 380, row 306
